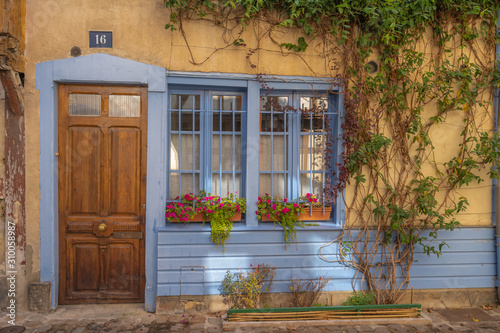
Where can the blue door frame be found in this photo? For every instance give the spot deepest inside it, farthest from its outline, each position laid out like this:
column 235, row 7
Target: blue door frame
column 99, row 69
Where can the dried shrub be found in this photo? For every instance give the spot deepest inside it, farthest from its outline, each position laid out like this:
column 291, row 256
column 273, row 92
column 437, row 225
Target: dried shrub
column 306, row 293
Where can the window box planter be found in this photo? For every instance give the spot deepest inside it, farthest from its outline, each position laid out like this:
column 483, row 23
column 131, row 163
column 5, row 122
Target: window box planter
column 315, row 215
column 199, row 218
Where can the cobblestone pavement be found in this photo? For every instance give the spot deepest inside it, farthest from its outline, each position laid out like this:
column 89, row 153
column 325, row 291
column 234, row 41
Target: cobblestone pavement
column 132, row 318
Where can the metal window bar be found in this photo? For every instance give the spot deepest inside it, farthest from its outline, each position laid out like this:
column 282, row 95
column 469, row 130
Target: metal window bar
column 220, row 146
column 324, row 101
column 311, row 131
column 234, row 138
column 193, row 140
column 272, row 150
column 284, row 154
column 180, row 144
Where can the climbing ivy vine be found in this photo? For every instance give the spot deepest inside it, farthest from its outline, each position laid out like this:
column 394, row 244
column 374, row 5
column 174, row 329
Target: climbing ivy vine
column 414, row 73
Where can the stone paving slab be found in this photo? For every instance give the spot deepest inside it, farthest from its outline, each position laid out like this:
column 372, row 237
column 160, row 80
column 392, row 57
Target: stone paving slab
column 131, row 318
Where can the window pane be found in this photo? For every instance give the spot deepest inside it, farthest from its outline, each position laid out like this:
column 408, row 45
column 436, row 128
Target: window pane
column 186, row 184
column 277, row 124
column 227, row 152
column 187, row 151
column 226, row 186
column 174, row 120
column 313, row 104
column 186, row 121
column 279, row 184
column 275, row 103
column 305, row 183
column 311, row 159
column 185, row 102
column 311, row 123
column 84, row 105
column 227, row 122
column 174, row 185
column 174, row 153
column 226, row 103
column 277, row 154
column 124, row 106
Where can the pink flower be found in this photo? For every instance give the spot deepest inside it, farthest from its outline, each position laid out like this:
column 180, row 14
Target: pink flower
column 274, row 206
column 256, row 213
column 268, row 215
column 285, row 200
column 315, row 200
column 268, row 201
column 295, row 205
column 180, row 204
column 310, row 200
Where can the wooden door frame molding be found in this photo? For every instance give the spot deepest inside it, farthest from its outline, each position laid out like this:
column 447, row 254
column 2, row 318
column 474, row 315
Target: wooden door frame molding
column 100, row 69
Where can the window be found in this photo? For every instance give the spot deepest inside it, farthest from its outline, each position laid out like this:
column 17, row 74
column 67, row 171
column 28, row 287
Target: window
column 294, row 133
column 206, row 142
column 232, row 136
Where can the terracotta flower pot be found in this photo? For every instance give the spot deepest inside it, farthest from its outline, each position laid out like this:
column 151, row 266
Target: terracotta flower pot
column 199, row 218
column 316, row 214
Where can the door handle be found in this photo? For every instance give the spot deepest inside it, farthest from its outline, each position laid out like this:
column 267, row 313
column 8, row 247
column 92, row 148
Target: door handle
column 102, row 227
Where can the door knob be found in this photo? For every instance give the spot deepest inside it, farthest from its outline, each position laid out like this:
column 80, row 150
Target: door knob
column 102, row 227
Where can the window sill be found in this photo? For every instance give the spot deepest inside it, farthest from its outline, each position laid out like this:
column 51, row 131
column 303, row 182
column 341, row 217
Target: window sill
column 241, row 226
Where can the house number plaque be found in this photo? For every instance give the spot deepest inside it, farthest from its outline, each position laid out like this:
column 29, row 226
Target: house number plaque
column 101, row 39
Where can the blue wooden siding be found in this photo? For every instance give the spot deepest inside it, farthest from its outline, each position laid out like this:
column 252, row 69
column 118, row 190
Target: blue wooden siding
column 470, row 262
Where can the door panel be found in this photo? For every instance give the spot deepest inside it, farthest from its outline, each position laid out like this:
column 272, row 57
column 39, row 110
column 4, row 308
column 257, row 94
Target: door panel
column 124, row 170
column 84, row 148
column 121, row 271
column 86, row 258
column 102, row 192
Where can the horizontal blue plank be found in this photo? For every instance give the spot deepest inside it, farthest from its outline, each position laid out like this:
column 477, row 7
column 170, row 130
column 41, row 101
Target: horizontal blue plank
column 452, row 282
column 212, row 288
column 333, row 272
column 247, row 236
column 456, row 257
column 196, row 234
column 452, row 270
column 209, row 250
column 310, row 261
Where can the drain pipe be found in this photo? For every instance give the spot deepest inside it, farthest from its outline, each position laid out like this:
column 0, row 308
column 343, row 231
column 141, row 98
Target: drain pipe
column 496, row 210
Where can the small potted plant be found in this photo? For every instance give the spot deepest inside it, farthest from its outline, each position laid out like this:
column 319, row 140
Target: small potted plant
column 283, row 212
column 314, row 210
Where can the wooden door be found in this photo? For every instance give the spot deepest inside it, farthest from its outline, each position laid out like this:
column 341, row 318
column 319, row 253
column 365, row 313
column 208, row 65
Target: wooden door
column 102, row 193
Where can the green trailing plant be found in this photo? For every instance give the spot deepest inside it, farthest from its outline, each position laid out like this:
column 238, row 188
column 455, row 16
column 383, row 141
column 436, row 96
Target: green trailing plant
column 218, row 211
column 361, row 298
column 248, row 290
column 306, row 293
column 415, row 130
column 284, row 213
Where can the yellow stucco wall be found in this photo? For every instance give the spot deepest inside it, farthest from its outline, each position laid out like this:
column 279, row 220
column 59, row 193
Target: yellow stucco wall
column 55, row 26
